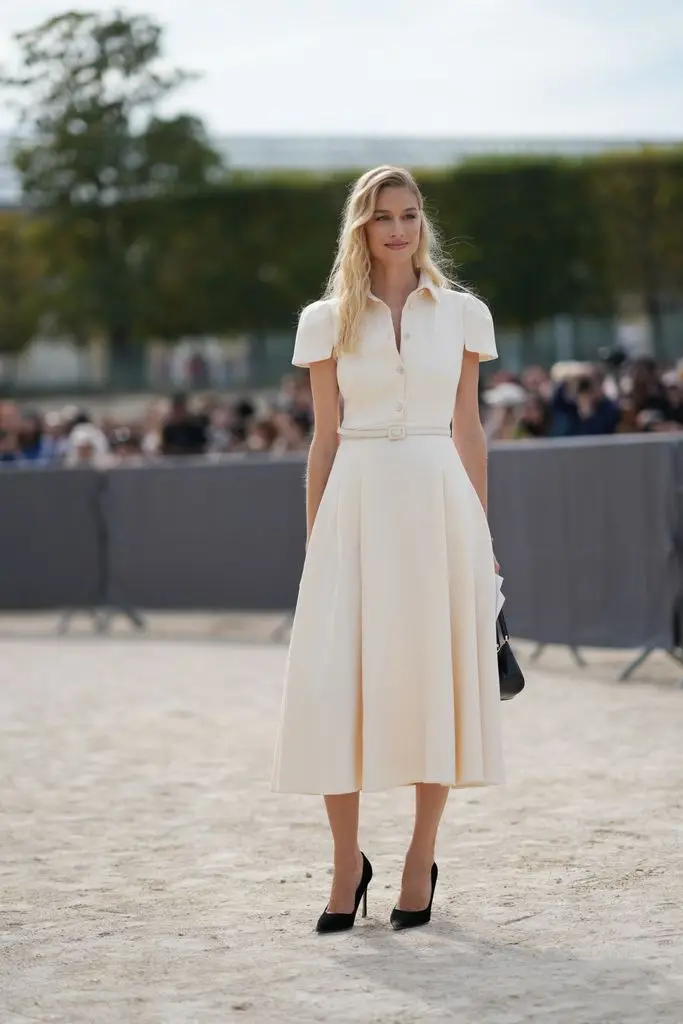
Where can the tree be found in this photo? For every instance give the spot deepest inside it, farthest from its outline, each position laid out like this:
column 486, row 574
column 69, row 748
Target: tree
column 527, row 226
column 22, row 277
column 640, row 198
column 89, row 86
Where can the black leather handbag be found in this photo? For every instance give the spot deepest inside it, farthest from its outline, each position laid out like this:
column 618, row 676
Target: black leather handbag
column 509, row 672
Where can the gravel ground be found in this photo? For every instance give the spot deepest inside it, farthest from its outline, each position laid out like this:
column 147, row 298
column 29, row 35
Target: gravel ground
column 149, row 875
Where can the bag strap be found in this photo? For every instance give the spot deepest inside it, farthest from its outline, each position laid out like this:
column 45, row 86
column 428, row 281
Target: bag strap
column 502, row 626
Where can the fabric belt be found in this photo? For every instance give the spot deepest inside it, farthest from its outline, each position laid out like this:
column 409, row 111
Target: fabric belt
column 395, row 431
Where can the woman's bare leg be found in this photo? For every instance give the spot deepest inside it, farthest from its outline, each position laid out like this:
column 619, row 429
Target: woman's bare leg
column 416, row 885
column 342, row 812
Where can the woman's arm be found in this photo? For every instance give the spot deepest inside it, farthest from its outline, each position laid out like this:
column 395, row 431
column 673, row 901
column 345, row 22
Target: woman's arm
column 467, row 430
column 325, row 437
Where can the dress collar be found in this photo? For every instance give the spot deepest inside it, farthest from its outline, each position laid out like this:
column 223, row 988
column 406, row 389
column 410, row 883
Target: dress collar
column 425, row 284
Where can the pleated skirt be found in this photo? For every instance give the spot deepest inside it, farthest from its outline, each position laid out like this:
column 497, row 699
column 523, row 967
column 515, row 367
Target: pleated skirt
column 391, row 674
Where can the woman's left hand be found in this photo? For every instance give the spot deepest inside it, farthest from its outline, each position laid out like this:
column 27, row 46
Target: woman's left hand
column 496, row 564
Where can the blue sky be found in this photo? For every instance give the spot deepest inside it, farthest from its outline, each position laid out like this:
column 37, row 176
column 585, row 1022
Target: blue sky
column 403, row 67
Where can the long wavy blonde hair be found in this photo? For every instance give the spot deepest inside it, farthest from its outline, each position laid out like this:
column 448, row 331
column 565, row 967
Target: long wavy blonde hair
column 349, row 280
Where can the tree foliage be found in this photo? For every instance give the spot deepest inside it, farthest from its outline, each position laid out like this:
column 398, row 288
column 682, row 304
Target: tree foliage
column 133, row 227
column 23, row 281
column 92, row 141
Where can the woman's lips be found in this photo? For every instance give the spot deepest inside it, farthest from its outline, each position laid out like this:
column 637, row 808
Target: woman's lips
column 396, row 245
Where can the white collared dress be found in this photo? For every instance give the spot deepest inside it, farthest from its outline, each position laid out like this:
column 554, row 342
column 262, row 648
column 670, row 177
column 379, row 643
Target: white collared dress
column 391, row 675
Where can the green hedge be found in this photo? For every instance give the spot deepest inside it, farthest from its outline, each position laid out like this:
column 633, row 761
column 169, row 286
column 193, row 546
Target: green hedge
column 534, row 237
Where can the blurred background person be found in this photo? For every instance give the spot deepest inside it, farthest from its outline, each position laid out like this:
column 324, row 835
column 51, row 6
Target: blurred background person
column 88, row 446
column 579, row 406
column 504, row 406
column 293, row 431
column 650, row 397
column 184, row 432
column 35, row 443
column 261, row 435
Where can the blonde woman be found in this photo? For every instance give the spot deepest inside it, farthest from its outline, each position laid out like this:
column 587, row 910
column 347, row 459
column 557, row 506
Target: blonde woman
column 391, row 675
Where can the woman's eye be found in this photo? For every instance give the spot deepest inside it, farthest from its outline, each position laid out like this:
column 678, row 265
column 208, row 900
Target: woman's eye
column 411, row 216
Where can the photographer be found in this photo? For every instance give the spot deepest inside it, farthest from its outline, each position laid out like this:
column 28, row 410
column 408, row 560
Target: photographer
column 184, row 432
column 579, row 405
column 654, row 402
column 10, row 449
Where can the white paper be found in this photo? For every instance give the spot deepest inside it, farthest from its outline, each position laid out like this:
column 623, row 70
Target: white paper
column 500, row 598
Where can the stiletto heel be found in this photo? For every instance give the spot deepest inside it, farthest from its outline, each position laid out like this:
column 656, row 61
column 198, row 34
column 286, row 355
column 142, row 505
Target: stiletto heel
column 340, row 922
column 412, row 918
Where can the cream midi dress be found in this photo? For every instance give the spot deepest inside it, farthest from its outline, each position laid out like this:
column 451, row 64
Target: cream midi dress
column 391, row 675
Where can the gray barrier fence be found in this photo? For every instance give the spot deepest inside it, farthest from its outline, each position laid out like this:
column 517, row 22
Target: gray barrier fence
column 51, row 542
column 589, row 534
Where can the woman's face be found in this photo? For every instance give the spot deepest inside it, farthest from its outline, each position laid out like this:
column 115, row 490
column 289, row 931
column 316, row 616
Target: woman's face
column 393, row 231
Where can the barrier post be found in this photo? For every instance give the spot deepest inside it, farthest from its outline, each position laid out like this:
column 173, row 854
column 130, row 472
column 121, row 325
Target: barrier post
column 107, row 606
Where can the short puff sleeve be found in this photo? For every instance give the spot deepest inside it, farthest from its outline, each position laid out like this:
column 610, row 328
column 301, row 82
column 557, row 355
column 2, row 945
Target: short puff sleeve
column 314, row 334
column 479, row 332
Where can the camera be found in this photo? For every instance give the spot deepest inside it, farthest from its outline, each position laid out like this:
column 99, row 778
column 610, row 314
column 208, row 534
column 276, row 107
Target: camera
column 612, row 357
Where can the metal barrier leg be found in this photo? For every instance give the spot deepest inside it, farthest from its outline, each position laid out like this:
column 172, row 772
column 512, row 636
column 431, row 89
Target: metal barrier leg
column 536, row 653
column 645, row 654
column 280, row 631
column 70, row 613
column 111, row 606
column 575, row 652
column 106, row 606
column 578, row 657
column 636, row 663
column 110, row 612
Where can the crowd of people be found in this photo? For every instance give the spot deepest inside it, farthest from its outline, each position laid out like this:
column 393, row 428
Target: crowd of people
column 205, row 425
column 615, row 395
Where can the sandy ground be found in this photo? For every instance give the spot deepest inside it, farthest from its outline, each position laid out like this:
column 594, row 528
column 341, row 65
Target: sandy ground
column 149, row 875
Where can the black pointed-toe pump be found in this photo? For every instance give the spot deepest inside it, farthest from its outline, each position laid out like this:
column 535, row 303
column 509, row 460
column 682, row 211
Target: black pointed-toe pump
column 341, row 922
column 413, row 918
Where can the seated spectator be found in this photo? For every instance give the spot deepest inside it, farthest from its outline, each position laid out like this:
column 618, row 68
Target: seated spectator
column 673, row 385
column 55, row 434
column 534, row 420
column 126, row 445
column 10, row 452
column 293, row 431
column 183, row 432
column 261, row 436
column 504, row 402
column 237, row 439
column 643, row 384
column 152, row 426
column 578, row 407
column 88, row 446
column 654, row 406
column 536, row 380
column 35, row 444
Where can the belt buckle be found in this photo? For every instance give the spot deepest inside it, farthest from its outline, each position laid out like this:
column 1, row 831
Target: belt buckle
column 397, row 432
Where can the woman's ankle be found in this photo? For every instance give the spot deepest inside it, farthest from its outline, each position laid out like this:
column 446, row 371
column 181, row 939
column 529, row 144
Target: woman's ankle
column 420, row 857
column 347, row 860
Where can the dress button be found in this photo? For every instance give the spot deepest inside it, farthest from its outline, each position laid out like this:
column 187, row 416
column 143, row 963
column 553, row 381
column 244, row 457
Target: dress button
column 399, row 406
column 399, row 369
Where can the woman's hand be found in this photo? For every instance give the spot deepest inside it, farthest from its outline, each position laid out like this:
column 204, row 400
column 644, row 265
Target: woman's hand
column 496, row 564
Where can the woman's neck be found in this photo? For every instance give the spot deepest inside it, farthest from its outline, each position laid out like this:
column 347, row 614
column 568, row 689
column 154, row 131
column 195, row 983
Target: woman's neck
column 393, row 283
